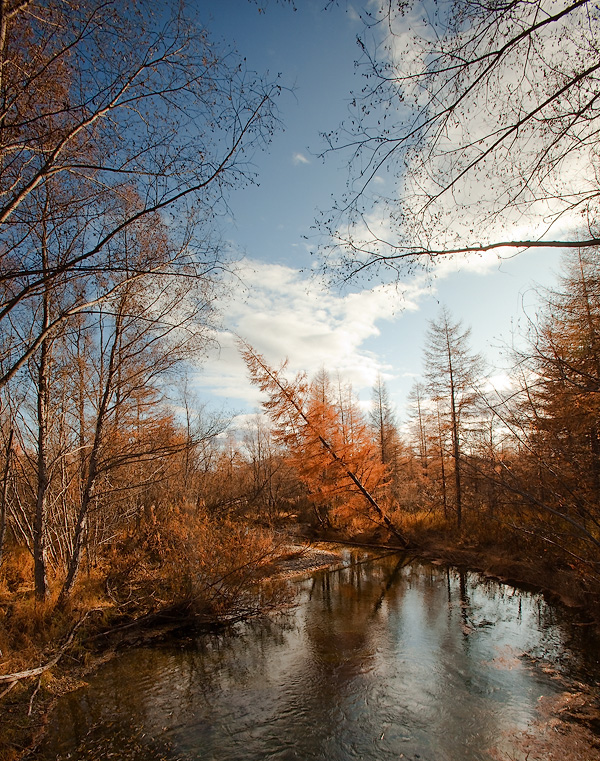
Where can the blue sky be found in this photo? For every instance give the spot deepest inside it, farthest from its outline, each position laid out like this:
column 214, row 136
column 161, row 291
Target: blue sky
column 278, row 307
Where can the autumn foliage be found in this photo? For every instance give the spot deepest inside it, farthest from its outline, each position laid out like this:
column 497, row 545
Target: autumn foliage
column 330, row 446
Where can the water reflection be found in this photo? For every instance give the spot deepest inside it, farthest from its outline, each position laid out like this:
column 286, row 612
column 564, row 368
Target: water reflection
column 381, row 659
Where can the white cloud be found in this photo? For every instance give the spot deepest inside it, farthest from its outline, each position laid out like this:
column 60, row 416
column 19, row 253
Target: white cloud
column 282, row 313
column 300, row 158
column 499, row 383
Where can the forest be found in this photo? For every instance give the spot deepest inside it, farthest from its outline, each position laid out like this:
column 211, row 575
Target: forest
column 120, row 495
column 112, row 494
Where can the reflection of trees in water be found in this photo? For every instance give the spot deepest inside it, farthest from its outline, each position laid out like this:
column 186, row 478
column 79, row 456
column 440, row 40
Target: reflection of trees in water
column 340, row 627
column 132, row 699
column 324, row 705
column 378, row 661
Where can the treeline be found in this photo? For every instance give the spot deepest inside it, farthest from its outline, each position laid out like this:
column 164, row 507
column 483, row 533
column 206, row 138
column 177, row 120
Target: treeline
column 118, row 483
column 516, row 465
column 522, row 460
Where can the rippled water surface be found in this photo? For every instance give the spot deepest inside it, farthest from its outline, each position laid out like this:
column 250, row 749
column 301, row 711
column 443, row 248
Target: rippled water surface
column 382, row 659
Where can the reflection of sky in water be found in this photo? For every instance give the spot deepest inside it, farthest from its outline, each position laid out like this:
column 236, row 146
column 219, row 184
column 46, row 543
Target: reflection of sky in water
column 379, row 659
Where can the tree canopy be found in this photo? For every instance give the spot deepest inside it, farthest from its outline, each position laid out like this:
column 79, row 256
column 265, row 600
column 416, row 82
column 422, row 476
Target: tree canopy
column 112, row 116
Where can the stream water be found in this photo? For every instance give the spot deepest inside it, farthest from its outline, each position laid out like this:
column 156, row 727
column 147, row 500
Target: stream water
column 381, row 659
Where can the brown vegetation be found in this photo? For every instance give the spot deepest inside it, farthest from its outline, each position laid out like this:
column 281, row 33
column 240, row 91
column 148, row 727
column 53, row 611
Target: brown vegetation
column 120, row 505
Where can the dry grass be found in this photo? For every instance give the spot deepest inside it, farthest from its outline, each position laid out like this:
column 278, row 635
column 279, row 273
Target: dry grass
column 186, row 563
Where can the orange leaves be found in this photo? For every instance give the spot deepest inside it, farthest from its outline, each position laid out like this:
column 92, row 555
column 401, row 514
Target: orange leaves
column 329, row 444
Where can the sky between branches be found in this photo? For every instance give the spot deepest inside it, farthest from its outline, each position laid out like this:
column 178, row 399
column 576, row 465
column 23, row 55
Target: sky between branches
column 276, row 304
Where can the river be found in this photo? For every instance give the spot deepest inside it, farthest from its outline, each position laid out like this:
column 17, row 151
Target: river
column 382, row 658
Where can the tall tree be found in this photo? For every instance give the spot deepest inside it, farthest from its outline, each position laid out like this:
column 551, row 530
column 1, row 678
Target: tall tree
column 121, row 132
column 381, row 417
column 555, row 417
column 453, row 373
column 418, row 418
column 307, row 423
column 132, row 115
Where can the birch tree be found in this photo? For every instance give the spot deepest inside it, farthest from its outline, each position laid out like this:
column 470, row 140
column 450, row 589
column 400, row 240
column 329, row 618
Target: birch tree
column 121, row 108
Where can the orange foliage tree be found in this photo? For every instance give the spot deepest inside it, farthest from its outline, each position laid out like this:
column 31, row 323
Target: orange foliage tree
column 332, row 458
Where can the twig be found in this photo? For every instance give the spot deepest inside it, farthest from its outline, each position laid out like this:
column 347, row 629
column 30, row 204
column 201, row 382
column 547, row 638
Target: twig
column 8, row 689
column 33, row 694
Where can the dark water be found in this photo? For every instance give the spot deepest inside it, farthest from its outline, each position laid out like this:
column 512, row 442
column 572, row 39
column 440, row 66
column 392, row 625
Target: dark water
column 381, row 660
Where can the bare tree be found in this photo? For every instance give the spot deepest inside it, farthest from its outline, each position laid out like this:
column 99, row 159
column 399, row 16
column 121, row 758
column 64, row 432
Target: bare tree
column 132, row 115
column 479, row 121
column 381, row 417
column 4, row 486
column 452, row 372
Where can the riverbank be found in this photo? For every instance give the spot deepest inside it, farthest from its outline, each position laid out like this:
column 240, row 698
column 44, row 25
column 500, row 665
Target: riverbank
column 99, row 633
column 560, row 730
column 26, row 706
column 501, row 557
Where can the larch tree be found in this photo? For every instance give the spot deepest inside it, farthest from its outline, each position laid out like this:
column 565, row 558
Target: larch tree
column 417, row 405
column 554, row 418
column 307, row 423
column 382, row 420
column 453, row 373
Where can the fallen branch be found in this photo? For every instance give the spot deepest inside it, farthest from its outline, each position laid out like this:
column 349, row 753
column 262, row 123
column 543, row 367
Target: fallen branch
column 39, row 670
column 33, row 694
column 8, row 689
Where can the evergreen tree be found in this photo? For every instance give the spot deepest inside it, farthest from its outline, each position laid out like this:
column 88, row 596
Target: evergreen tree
column 561, row 406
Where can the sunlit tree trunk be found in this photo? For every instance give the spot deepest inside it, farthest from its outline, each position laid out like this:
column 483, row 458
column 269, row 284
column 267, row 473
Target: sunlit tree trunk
column 40, row 572
column 442, row 464
column 4, row 492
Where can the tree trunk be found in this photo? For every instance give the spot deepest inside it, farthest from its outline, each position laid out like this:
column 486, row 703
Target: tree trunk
column 4, row 495
column 455, row 437
column 87, row 496
column 43, row 408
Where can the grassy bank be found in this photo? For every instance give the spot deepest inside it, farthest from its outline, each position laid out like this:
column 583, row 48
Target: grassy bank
column 496, row 550
column 139, row 591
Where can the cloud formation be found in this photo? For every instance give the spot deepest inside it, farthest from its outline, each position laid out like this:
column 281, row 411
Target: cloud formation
column 282, row 313
column 300, row 158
